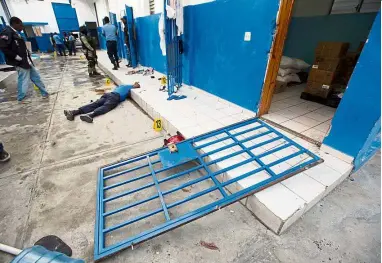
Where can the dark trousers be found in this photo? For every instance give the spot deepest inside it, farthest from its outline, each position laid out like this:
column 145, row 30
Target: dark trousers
column 61, row 48
column 106, row 103
column 112, row 51
column 72, row 48
column 1, row 147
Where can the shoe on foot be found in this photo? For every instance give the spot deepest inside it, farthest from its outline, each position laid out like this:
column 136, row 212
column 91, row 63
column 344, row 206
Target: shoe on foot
column 96, row 73
column 86, row 118
column 44, row 97
column 115, row 67
column 69, row 115
column 92, row 75
column 4, row 156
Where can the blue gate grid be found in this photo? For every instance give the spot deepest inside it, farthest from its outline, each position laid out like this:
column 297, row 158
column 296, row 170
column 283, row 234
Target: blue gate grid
column 173, row 57
column 152, row 193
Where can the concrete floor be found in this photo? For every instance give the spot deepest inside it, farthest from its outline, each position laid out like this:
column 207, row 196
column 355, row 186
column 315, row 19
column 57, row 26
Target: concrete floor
column 49, row 188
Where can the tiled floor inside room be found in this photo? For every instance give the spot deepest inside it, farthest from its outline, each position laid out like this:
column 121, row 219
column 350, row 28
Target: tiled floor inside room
column 305, row 117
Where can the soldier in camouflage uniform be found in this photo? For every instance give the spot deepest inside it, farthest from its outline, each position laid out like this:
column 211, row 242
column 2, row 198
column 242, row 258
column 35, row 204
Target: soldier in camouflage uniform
column 89, row 48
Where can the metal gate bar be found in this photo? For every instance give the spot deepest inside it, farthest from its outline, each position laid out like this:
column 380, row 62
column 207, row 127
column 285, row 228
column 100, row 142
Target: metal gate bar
column 173, row 57
column 251, row 142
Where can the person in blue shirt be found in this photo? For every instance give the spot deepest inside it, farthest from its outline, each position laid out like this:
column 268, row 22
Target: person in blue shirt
column 59, row 43
column 106, row 103
column 72, row 44
column 109, row 31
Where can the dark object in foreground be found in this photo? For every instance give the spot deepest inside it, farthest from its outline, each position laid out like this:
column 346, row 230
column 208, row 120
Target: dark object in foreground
column 54, row 243
column 4, row 155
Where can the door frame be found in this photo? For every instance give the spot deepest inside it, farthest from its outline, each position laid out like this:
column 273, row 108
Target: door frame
column 281, row 31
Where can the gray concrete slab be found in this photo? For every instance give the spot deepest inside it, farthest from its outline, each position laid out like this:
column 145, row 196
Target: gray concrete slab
column 64, row 201
column 124, row 125
column 15, row 197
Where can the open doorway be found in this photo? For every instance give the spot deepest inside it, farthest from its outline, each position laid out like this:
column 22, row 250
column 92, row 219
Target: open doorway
column 321, row 49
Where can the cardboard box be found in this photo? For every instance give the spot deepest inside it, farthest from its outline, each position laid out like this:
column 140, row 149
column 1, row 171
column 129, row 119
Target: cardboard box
column 331, row 49
column 322, row 76
column 318, row 89
column 328, row 64
column 280, row 87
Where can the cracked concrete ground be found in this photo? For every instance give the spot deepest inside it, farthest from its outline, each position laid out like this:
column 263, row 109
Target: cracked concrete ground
column 49, row 188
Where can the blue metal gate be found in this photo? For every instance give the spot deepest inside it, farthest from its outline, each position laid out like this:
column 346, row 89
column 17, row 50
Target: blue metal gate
column 174, row 59
column 135, row 200
column 66, row 17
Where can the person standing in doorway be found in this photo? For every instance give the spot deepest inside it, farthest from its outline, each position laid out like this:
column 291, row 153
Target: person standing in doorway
column 109, row 31
column 72, row 45
column 17, row 55
column 126, row 36
column 59, row 44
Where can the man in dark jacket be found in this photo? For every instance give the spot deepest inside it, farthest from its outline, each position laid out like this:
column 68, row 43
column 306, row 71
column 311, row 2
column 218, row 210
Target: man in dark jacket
column 127, row 43
column 17, row 54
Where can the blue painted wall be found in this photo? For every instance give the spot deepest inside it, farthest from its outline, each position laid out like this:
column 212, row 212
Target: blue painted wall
column 101, row 38
column 149, row 52
column 372, row 144
column 217, row 59
column 360, row 108
column 305, row 32
column 44, row 44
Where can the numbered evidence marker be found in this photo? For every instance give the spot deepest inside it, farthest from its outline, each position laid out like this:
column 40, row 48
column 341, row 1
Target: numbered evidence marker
column 158, row 125
column 107, row 81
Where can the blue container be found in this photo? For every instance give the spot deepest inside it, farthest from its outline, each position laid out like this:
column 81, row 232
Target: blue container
column 39, row 254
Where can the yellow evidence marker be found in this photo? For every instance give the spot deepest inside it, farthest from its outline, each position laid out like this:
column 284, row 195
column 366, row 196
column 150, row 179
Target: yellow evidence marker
column 157, row 125
column 107, row 81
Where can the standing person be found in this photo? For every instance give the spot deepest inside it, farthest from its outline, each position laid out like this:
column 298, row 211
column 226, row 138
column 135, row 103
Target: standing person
column 4, row 156
column 109, row 31
column 59, row 43
column 72, row 44
column 106, row 103
column 126, row 35
column 66, row 40
column 17, row 55
column 52, row 42
column 89, row 48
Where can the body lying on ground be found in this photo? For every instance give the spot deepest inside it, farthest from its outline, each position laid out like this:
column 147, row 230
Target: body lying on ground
column 106, row 103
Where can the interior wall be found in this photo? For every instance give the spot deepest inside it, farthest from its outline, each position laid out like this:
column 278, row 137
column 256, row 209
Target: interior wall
column 358, row 115
column 311, row 8
column 102, row 10
column 85, row 11
column 305, row 32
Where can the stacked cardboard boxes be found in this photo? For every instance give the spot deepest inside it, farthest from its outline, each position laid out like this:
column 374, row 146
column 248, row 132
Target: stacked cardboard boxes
column 328, row 68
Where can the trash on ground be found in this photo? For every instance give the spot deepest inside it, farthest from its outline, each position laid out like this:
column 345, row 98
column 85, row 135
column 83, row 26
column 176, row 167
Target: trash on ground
column 211, row 245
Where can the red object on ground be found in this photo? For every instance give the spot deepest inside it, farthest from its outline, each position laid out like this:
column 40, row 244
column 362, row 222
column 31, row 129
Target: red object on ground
column 174, row 139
